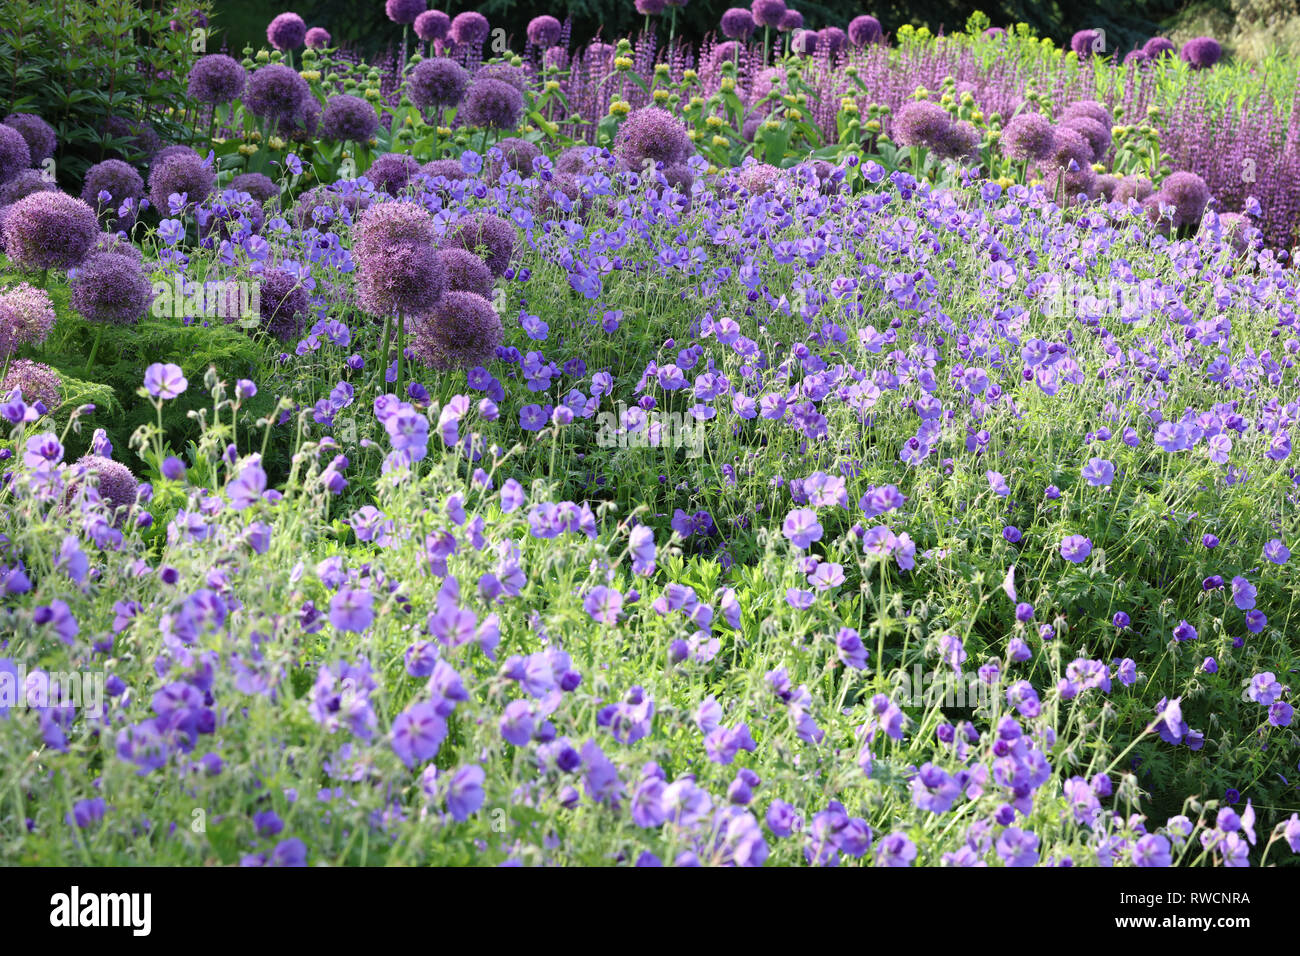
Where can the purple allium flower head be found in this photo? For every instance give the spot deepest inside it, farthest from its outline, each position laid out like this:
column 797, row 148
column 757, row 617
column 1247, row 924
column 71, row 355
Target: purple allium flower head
column 114, row 481
column 865, row 30
column 1096, row 135
column 791, row 22
column 650, row 8
column 767, row 13
column 1188, row 194
column 49, row 230
column 217, row 78
column 1087, row 42
column 404, row 11
column 258, row 185
column 1137, row 188
column 317, row 38
column 922, row 123
column 490, row 237
column 391, row 172
column 737, row 23
column 1158, row 47
column 1068, row 145
column 121, row 182
column 348, row 118
column 449, row 169
column 1136, row 57
column 651, row 133
column 26, row 317
column 832, row 39
column 40, row 136
column 437, row 82
column 519, row 154
column 432, row 25
column 24, row 184
column 1201, row 53
column 494, row 104
column 1091, row 109
column 465, row 272
column 15, row 154
column 183, row 174
column 111, row 288
column 407, row 279
column 468, row 28
column 37, row 382
column 276, row 92
column 461, row 331
column 282, row 302
column 286, row 32
column 544, row 31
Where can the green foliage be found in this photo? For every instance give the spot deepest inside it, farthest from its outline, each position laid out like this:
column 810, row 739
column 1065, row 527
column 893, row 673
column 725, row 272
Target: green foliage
column 79, row 63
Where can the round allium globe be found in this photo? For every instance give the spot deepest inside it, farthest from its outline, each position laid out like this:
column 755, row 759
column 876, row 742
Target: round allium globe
column 465, row 272
column 276, row 92
column 174, row 150
column 468, row 28
column 282, row 301
column 651, row 133
column 389, row 224
column 1106, row 186
column 24, row 184
column 217, row 78
column 1188, row 194
column 650, row 8
column 791, row 22
column 114, row 243
column 317, row 38
column 407, row 279
column 49, row 230
column 1201, row 53
column 492, row 103
column 37, row 382
column 995, row 33
column 1087, row 42
column 286, row 32
column 449, row 169
column 544, row 31
column 258, row 185
column 26, row 317
column 1136, row 57
column 865, row 30
column 303, row 125
column 759, row 177
column 116, row 485
column 121, row 182
column 922, row 123
column 679, row 177
column 1097, row 135
column 1133, row 187
column 432, row 25
column 737, row 23
column 462, row 331
column 404, row 11
column 575, row 159
column 767, row 13
column 725, row 52
column 519, row 154
column 111, row 288
column 183, row 174
column 40, row 135
column 15, row 154
column 1068, row 144
column 1028, row 136
column 348, row 118
column 436, row 83
column 514, row 75
column 832, row 40
column 1091, row 109
column 489, row 237
column 1157, row 47
column 963, row 140
column 392, row 171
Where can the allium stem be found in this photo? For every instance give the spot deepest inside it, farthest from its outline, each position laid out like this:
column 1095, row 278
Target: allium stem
column 94, row 350
column 383, row 353
column 401, row 349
